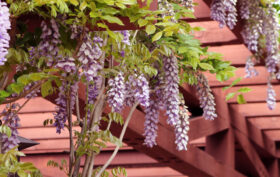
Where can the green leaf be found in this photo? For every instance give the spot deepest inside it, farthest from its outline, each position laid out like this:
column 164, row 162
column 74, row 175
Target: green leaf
column 74, row 2
column 206, row 66
column 182, row 49
column 83, row 5
column 142, row 22
column 230, row 95
column 6, row 130
column 46, row 88
column 157, row 36
column 112, row 19
column 150, row 29
column 4, row 94
column 236, row 81
column 240, row 99
column 244, row 90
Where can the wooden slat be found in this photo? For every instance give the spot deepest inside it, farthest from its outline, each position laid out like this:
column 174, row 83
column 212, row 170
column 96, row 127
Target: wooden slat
column 240, row 72
column 34, row 119
column 251, row 153
column 209, row 35
column 236, row 54
column 44, row 133
column 258, row 93
column 273, row 134
column 132, row 165
column 265, row 123
column 37, row 104
column 256, row 109
column 202, row 10
column 62, row 145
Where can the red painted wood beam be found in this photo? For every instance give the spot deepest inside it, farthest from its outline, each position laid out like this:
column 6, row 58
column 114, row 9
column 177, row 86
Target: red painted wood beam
column 257, row 95
column 266, row 123
column 261, row 79
column 251, row 153
column 238, row 121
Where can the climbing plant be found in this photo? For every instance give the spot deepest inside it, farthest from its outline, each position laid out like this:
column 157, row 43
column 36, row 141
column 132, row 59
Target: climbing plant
column 98, row 58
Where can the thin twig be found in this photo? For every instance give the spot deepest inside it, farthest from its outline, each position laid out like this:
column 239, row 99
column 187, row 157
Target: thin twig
column 120, row 138
column 69, row 112
column 24, row 93
column 78, row 109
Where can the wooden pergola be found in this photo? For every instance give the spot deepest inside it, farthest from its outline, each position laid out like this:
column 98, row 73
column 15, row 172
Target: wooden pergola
column 243, row 141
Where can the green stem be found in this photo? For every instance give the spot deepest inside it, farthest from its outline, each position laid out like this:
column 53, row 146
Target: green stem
column 120, row 138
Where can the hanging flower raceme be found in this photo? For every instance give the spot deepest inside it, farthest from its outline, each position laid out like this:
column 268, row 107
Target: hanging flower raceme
column 150, row 125
column 167, row 7
column 61, row 113
column 271, row 100
column 271, row 32
column 224, row 12
column 116, row 92
column 182, row 127
column 5, row 25
column 68, row 67
column 10, row 119
column 245, row 9
column 171, row 90
column 249, row 68
column 89, row 55
column 49, row 45
column 206, row 98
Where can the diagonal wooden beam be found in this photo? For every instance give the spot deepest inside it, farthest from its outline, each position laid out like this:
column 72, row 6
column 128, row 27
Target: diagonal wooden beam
column 193, row 162
column 251, row 153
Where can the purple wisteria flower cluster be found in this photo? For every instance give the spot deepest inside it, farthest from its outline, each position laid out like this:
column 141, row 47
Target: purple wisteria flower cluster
column 171, row 89
column 116, row 92
column 186, row 3
column 61, row 113
column 167, row 7
column 150, row 125
column 249, row 68
column 141, row 91
column 67, row 65
column 182, row 128
column 49, row 45
column 271, row 32
column 5, row 25
column 89, row 55
column 271, row 100
column 10, row 119
column 126, row 37
column 206, row 98
column 224, row 11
